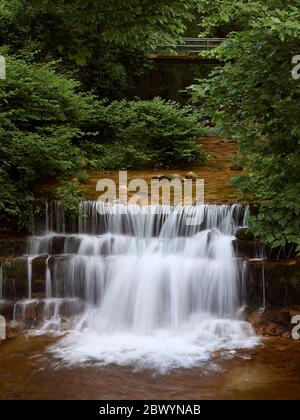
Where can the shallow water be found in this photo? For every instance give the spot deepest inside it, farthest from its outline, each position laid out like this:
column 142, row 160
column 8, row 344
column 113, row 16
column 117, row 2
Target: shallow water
column 215, row 171
column 45, row 367
column 269, row 371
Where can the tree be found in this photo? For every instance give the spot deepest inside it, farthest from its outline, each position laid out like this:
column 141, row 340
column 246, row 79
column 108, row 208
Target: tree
column 254, row 99
column 106, row 39
column 41, row 115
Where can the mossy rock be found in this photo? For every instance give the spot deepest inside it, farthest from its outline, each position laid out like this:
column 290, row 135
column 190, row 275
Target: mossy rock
column 15, row 277
column 12, row 247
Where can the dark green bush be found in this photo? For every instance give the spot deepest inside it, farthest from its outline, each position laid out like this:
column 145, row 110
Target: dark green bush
column 146, row 133
column 47, row 129
column 70, row 194
column 40, row 117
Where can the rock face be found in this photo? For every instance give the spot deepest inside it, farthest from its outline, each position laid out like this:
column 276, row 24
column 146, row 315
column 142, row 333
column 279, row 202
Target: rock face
column 12, row 247
column 248, row 249
column 278, row 283
column 272, row 296
column 15, row 277
column 247, row 246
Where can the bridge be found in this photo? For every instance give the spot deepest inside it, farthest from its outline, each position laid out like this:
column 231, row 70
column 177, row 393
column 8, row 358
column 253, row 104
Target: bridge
column 189, row 50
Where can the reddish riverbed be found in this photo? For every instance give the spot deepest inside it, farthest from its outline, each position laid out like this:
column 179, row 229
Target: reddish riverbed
column 215, row 171
column 270, row 371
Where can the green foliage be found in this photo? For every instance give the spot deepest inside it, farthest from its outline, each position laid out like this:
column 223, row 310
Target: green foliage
column 70, row 194
column 254, row 99
column 146, row 133
column 16, row 208
column 40, row 117
column 75, row 26
column 82, row 177
column 47, row 128
column 102, row 42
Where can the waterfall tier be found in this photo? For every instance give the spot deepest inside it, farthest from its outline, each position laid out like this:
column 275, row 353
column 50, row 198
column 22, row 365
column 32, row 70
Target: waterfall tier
column 153, row 286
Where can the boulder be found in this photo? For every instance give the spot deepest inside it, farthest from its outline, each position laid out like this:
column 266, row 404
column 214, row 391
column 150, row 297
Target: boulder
column 273, row 322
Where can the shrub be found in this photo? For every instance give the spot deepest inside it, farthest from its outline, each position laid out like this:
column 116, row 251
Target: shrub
column 146, row 133
column 70, row 194
column 41, row 115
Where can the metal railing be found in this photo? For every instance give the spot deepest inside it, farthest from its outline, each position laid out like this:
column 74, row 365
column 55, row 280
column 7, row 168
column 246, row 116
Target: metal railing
column 192, row 46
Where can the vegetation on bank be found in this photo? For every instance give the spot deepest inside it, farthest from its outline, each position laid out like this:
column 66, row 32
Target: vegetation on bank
column 49, row 128
column 253, row 98
column 68, row 100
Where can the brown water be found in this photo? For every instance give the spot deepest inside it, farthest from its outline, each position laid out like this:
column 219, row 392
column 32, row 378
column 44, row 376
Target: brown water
column 215, row 172
column 270, row 371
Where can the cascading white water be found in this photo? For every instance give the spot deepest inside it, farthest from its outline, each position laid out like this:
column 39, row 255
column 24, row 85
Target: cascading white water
column 48, row 280
column 160, row 286
column 29, row 276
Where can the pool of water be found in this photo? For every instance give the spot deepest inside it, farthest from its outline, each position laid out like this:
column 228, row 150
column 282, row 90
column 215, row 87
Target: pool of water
column 269, row 371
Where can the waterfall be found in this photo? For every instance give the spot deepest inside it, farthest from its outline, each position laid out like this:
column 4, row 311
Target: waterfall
column 48, row 280
column 246, row 216
column 153, row 286
column 29, row 276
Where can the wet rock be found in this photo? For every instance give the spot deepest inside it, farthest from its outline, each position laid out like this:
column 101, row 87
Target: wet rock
column 6, row 309
column 12, row 247
column 244, row 234
column 38, row 275
column 247, row 249
column 26, row 311
column 278, row 281
column 57, row 245
column 247, row 246
column 15, row 277
column 273, row 322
